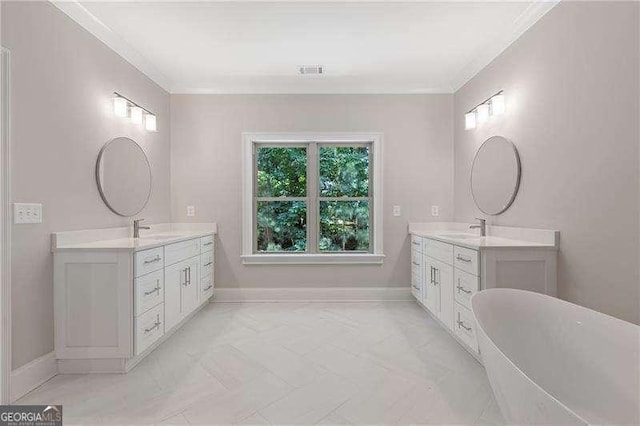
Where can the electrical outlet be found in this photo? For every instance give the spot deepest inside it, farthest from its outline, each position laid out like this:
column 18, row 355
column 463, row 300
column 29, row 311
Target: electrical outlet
column 397, row 211
column 191, row 211
column 27, row 213
column 435, row 210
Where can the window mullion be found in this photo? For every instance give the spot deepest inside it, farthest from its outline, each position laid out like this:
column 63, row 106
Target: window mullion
column 312, row 196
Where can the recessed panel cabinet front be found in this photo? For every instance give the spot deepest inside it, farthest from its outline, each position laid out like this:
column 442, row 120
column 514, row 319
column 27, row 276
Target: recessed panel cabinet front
column 181, row 290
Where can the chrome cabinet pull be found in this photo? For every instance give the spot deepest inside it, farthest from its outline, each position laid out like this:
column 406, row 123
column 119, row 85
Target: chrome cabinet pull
column 155, row 325
column 464, row 259
column 415, row 243
column 189, row 269
column 416, row 263
column 157, row 288
column 154, row 260
column 436, row 271
column 462, row 289
column 186, row 282
column 208, row 244
column 208, row 264
column 207, row 288
column 461, row 324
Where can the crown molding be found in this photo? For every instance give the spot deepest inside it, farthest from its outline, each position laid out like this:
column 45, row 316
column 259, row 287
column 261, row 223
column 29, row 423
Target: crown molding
column 303, row 91
column 520, row 25
column 102, row 32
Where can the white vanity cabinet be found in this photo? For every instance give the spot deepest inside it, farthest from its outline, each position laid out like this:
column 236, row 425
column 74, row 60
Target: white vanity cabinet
column 454, row 266
column 116, row 300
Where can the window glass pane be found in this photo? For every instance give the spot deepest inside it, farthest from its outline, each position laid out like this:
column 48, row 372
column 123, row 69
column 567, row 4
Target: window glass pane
column 282, row 172
column 282, row 226
column 344, row 171
column 344, row 226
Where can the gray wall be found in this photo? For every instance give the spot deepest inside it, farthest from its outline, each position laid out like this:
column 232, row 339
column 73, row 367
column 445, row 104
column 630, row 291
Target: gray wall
column 207, row 172
column 572, row 87
column 62, row 81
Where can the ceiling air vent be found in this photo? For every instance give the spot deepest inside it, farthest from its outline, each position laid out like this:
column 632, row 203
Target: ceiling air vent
column 311, row 69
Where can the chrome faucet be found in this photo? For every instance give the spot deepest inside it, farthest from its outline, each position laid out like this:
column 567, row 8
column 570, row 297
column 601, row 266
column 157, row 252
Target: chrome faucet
column 482, row 226
column 137, row 228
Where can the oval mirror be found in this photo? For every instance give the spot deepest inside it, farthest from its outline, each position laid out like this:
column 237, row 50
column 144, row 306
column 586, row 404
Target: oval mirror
column 123, row 175
column 495, row 175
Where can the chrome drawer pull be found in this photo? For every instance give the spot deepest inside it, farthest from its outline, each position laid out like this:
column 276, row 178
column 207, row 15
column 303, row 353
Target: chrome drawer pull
column 462, row 289
column 208, row 244
column 464, row 259
column 415, row 243
column 154, row 260
column 207, row 288
column 155, row 325
column 147, row 293
column 208, row 264
column 416, row 263
column 461, row 324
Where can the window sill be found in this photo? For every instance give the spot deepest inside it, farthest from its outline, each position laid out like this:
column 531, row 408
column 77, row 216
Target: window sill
column 313, row 259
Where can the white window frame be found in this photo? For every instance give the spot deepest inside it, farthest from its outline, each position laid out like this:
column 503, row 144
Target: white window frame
column 251, row 258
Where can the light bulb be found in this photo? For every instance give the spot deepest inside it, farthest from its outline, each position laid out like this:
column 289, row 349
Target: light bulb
column 150, row 122
column 120, row 106
column 136, row 115
column 497, row 104
column 482, row 112
column 470, row 120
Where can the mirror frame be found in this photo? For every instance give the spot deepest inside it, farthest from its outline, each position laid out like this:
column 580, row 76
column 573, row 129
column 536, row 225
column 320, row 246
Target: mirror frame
column 98, row 170
column 518, row 177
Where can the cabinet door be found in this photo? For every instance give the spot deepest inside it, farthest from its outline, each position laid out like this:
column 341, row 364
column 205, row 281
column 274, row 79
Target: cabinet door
column 189, row 289
column 443, row 276
column 431, row 290
column 174, row 279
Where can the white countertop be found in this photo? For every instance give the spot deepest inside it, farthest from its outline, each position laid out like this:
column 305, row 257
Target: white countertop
column 120, row 238
column 498, row 236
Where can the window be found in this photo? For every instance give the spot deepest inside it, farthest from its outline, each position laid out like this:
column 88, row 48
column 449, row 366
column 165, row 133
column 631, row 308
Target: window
column 312, row 199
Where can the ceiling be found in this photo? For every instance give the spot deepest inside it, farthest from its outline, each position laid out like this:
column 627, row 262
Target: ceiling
column 257, row 47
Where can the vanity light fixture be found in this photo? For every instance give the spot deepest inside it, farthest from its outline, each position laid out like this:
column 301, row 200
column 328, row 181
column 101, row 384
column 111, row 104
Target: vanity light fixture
column 470, row 120
column 495, row 105
column 482, row 113
column 150, row 122
column 122, row 105
column 136, row 115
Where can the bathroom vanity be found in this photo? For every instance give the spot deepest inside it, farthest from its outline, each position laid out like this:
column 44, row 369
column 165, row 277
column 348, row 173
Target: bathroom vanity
column 116, row 298
column 449, row 263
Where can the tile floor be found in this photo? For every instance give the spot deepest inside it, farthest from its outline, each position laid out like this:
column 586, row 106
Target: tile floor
column 289, row 363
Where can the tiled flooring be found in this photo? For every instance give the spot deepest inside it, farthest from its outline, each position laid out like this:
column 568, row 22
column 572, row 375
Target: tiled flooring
column 290, row 363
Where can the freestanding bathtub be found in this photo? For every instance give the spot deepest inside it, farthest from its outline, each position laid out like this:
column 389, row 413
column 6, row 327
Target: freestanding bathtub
column 553, row 362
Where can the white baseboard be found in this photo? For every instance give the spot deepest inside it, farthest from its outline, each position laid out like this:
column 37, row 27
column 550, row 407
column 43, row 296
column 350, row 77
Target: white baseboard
column 31, row 375
column 313, row 294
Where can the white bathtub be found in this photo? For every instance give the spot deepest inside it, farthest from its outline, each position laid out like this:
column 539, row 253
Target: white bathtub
column 553, row 362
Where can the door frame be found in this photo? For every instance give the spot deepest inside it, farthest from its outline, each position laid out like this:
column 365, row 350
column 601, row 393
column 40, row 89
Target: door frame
column 5, row 224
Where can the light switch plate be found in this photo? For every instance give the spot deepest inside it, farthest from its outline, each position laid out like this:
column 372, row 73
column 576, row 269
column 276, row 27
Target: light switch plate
column 191, row 211
column 397, row 211
column 27, row 213
column 435, row 210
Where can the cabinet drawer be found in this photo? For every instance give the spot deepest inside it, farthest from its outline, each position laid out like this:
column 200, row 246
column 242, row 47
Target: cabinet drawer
column 149, row 291
column 149, row 327
column 206, row 288
column 416, row 263
column 148, row 261
column 206, row 263
column 207, row 243
column 180, row 251
column 439, row 251
column 465, row 326
column 416, row 243
column 465, row 286
column 466, row 259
